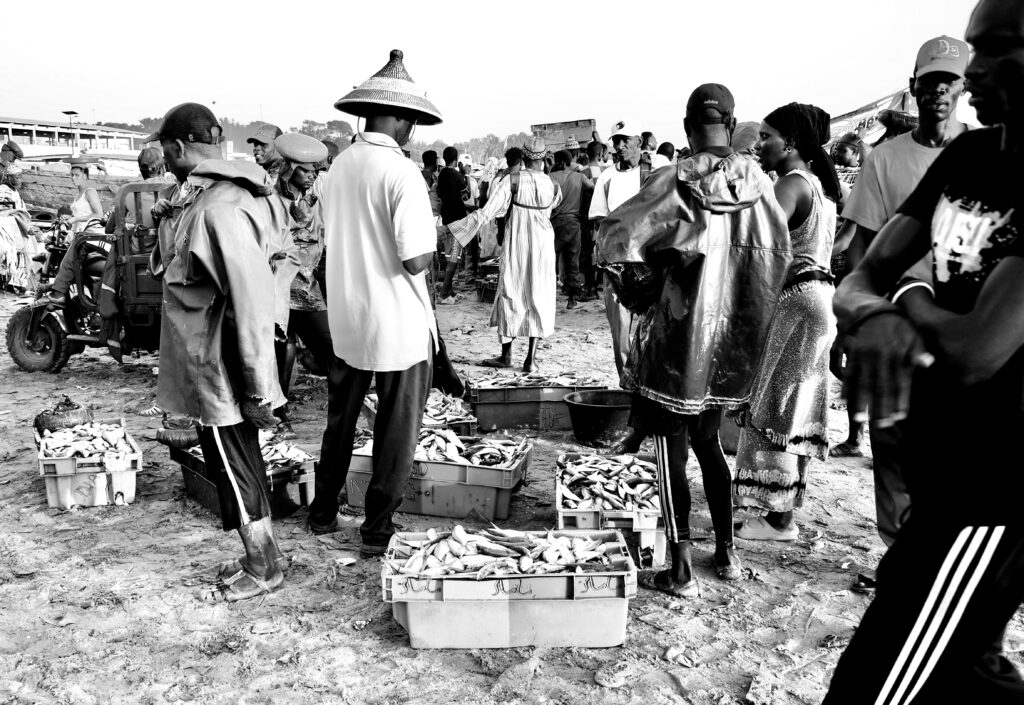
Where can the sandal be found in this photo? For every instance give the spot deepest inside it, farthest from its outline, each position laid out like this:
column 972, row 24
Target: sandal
column 152, row 411
column 758, row 529
column 496, row 362
column 866, row 583
column 614, row 675
column 732, row 570
column 662, row 582
column 846, row 450
column 241, row 586
column 226, row 570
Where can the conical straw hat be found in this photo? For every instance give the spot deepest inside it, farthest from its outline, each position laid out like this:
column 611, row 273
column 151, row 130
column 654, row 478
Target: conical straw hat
column 392, row 86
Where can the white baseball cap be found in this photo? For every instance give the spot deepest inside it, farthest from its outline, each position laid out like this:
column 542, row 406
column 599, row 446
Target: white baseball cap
column 466, row 159
column 627, row 128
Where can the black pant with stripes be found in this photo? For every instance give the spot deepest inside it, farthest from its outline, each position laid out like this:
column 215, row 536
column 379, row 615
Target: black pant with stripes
column 672, row 433
column 401, row 396
column 933, row 632
column 232, row 457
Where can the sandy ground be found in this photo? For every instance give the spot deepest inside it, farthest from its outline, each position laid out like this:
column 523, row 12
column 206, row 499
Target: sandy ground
column 94, row 605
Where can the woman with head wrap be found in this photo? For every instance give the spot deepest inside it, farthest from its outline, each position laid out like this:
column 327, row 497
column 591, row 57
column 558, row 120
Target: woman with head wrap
column 786, row 424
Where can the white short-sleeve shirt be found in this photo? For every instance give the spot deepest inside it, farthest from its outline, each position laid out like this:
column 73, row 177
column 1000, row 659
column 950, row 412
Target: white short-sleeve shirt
column 613, row 188
column 377, row 215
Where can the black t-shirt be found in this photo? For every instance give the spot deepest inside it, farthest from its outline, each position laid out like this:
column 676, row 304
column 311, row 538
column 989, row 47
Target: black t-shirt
column 450, row 185
column 963, row 454
column 973, row 197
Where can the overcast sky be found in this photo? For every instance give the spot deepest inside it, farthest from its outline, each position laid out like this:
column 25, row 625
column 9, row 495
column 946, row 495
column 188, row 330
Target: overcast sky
column 488, row 66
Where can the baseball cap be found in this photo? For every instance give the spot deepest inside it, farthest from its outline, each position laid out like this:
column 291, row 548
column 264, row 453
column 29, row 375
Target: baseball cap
column 150, row 157
column 466, row 159
column 14, row 148
column 942, row 54
column 626, row 128
column 708, row 97
column 189, row 122
column 266, row 135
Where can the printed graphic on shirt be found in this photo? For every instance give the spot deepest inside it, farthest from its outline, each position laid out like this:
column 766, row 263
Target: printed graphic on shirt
column 967, row 240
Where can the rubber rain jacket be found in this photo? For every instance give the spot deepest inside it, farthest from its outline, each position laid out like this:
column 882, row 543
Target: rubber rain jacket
column 219, row 293
column 719, row 244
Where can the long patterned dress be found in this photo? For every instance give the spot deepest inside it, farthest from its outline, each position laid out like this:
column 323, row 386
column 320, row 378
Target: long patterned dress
column 524, row 305
column 787, row 423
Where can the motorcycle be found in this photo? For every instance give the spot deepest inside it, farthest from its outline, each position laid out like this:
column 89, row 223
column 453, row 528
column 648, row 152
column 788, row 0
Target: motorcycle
column 42, row 336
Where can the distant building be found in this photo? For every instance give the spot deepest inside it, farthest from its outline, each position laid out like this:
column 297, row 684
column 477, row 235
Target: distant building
column 46, row 137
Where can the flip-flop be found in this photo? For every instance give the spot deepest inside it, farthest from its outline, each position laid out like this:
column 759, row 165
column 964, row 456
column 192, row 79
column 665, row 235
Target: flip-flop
column 495, row 362
column 662, row 582
column 241, row 586
column 758, row 529
column 846, row 450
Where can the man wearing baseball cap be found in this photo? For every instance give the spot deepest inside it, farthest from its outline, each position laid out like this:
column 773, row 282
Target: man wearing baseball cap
column 615, row 186
column 263, row 150
column 217, row 360
column 888, row 176
column 8, row 171
column 712, row 241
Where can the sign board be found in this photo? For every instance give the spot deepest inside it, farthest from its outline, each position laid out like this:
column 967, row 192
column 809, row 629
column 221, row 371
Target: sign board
column 556, row 134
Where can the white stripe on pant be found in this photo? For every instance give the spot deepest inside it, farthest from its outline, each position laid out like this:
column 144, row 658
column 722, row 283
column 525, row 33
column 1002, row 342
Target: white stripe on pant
column 243, row 515
column 958, row 561
column 665, row 489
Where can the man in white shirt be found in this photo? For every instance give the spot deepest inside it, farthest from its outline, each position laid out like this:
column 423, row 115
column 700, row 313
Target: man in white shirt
column 888, row 176
column 615, row 186
column 380, row 238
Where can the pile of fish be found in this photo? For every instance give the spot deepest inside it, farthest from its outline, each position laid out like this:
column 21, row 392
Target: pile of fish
column 563, row 379
column 495, row 552
column 441, row 409
column 619, row 482
column 85, row 441
column 442, row 445
column 274, row 452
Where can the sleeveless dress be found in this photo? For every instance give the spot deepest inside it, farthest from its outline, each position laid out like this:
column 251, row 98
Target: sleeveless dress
column 787, row 422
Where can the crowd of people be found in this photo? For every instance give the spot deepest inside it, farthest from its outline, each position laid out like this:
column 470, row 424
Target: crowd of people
column 719, row 266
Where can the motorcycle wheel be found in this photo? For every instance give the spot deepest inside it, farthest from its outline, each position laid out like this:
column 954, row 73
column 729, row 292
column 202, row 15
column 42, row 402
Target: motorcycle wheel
column 47, row 350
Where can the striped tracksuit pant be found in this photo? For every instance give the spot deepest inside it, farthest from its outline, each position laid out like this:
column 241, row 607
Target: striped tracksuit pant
column 671, row 451
column 232, row 456
column 934, row 630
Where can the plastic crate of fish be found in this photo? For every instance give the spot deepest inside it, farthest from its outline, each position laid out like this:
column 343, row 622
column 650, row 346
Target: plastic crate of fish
column 582, row 606
column 442, row 411
column 530, row 401
column 449, row 487
column 289, row 485
column 619, row 492
column 98, row 446
column 89, row 465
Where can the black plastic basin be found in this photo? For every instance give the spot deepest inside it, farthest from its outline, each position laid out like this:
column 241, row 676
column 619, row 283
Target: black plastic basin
column 599, row 418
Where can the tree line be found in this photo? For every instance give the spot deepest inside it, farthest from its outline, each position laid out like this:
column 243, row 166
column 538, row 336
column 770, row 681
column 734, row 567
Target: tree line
column 341, row 132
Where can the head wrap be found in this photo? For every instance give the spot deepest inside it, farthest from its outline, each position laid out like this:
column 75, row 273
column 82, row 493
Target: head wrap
column 809, row 128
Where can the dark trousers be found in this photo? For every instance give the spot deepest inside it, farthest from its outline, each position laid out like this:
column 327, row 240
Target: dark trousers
column 568, row 240
column 674, row 490
column 313, row 328
column 587, row 269
column 232, row 457
column 892, row 497
column 401, row 397
column 934, row 630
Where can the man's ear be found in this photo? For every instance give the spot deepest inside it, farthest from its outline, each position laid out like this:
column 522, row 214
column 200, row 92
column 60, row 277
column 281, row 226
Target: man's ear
column 911, row 84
